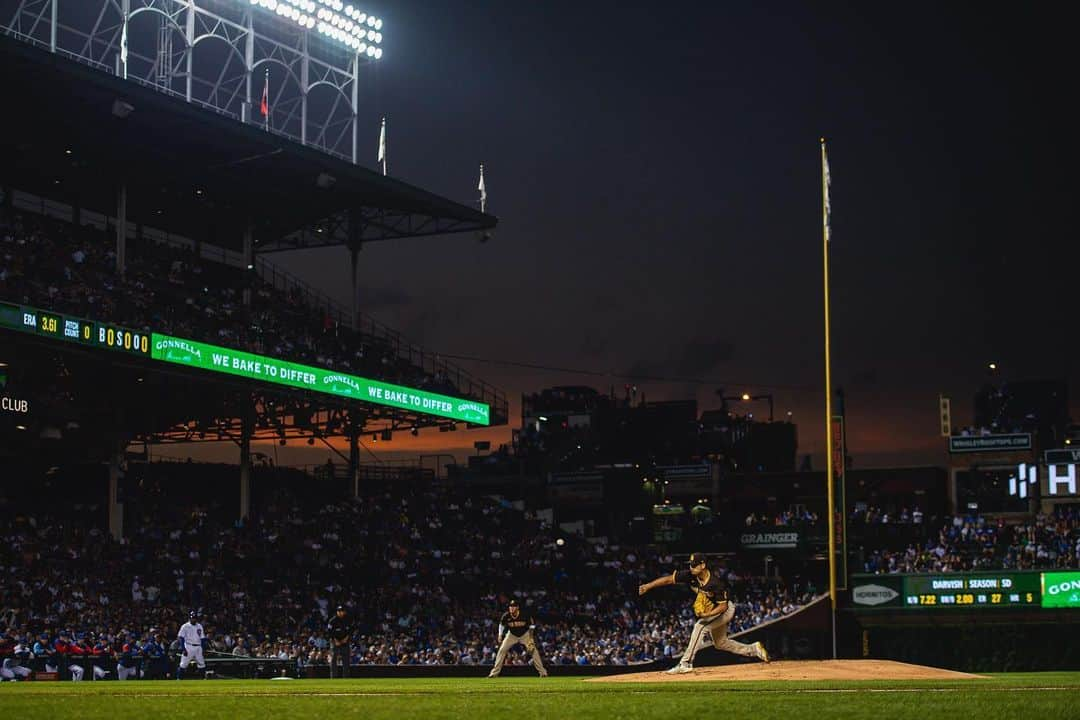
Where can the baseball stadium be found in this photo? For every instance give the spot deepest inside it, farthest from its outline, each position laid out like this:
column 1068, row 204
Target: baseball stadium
column 229, row 487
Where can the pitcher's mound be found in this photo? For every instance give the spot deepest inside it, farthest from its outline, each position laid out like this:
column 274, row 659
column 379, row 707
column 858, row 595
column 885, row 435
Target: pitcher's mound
column 799, row 670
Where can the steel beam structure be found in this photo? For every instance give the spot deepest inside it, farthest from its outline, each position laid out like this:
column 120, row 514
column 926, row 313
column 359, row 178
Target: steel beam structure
column 223, row 50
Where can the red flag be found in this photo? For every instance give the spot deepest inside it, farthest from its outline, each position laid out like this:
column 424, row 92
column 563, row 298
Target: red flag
column 265, row 106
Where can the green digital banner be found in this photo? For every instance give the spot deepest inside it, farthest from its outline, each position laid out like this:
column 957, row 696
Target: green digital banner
column 282, row 372
column 1061, row 589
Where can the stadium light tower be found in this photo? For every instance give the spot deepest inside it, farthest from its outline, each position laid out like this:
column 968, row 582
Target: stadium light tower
column 300, row 47
column 340, row 22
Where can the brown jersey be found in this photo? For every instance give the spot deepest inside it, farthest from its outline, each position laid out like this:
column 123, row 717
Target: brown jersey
column 711, row 594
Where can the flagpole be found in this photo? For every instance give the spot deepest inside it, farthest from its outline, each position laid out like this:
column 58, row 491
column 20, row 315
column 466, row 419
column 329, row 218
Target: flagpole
column 830, row 479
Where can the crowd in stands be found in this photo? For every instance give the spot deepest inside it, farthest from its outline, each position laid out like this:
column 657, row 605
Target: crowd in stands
column 975, row 543
column 53, row 265
column 792, row 517
column 424, row 572
column 984, row 431
column 875, row 515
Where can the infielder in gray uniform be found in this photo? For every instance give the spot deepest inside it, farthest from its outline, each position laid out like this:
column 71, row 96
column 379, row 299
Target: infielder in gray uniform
column 713, row 610
column 516, row 628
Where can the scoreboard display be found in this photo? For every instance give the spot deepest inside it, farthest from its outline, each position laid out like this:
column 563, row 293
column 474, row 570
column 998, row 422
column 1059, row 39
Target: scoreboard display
column 75, row 330
column 1017, row 589
column 970, row 590
column 223, row 360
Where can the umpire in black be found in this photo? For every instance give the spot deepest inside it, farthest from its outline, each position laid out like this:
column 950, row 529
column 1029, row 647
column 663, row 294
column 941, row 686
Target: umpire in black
column 339, row 630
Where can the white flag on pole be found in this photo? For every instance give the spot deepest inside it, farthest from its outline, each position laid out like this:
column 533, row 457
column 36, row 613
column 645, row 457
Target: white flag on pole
column 382, row 146
column 483, row 190
column 124, row 46
column 826, row 182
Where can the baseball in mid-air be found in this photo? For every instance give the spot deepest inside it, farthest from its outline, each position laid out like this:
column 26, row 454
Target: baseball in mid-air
column 560, row 542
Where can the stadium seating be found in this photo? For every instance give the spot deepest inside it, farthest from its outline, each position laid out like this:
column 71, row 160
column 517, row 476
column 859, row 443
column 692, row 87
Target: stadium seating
column 975, row 543
column 425, row 572
column 51, row 264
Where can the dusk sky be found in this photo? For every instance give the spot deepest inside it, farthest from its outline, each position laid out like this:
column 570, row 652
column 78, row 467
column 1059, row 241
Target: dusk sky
column 656, row 172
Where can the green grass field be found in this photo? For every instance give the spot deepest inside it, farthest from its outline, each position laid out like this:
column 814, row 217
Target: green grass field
column 1033, row 695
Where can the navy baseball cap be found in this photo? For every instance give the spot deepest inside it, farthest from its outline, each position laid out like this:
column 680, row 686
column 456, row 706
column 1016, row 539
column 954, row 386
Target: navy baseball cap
column 513, row 603
column 697, row 559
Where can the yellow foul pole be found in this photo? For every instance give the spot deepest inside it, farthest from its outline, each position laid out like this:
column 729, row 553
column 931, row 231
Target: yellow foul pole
column 825, row 212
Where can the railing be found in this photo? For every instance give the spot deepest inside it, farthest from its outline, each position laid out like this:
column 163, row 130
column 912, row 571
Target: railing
column 366, row 326
column 89, row 62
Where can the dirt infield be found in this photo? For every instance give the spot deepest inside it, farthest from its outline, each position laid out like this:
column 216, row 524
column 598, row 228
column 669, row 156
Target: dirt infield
column 799, row 670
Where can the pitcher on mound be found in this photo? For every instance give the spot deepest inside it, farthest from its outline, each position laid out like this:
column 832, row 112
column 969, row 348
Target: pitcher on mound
column 713, row 610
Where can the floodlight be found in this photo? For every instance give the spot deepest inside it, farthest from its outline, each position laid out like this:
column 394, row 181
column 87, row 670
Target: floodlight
column 330, row 18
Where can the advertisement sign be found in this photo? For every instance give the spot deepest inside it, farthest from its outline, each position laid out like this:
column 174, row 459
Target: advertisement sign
column 1062, row 456
column 1061, row 589
column 578, row 487
column 877, row 591
column 14, row 405
column 769, row 540
column 235, row 362
column 282, row 372
column 839, row 451
column 989, row 443
column 945, row 414
column 1057, row 481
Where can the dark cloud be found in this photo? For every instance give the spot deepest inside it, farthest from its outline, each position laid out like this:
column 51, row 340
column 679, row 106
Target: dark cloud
column 699, row 356
column 593, row 346
column 868, row 377
column 645, row 369
column 693, row 361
